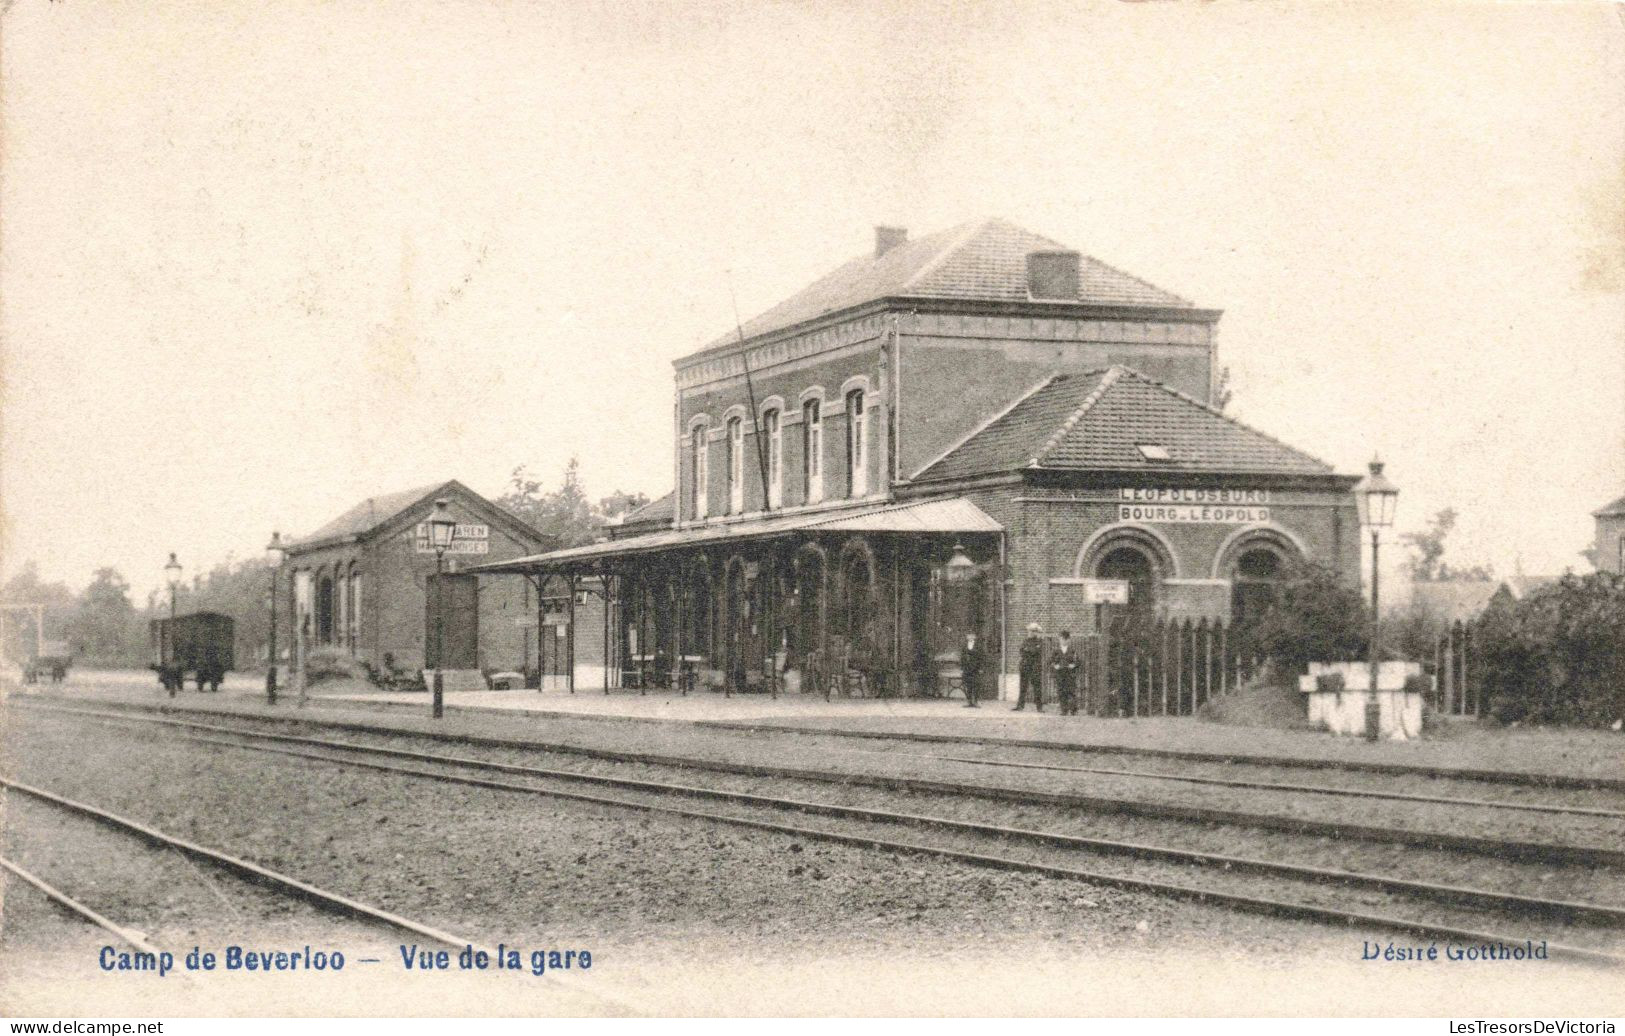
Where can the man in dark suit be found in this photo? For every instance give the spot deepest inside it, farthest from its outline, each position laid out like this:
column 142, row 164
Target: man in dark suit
column 971, row 657
column 1064, row 663
column 1032, row 669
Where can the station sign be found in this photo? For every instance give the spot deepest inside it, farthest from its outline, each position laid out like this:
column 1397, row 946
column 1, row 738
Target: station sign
column 1106, row 591
column 470, row 538
column 1192, row 513
column 1194, row 496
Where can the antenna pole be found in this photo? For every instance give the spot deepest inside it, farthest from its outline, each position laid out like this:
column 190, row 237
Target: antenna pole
column 750, row 394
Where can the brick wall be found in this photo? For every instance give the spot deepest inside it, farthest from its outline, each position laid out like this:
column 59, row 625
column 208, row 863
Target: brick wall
column 956, row 370
column 1610, row 544
column 951, row 385
column 393, row 612
column 783, row 387
column 1045, row 533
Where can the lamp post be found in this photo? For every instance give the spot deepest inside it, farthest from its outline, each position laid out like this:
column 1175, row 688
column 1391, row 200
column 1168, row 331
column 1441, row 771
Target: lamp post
column 273, row 561
column 442, row 529
column 959, row 575
column 1375, row 497
column 172, row 576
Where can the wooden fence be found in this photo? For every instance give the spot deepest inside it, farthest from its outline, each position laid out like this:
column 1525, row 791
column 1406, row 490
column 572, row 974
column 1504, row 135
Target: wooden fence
column 1164, row 667
column 1458, row 688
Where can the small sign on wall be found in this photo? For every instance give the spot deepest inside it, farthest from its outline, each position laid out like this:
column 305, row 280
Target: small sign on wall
column 1106, row 591
column 470, row 538
column 1184, row 513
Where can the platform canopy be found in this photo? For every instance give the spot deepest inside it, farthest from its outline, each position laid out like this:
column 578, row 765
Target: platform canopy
column 951, row 515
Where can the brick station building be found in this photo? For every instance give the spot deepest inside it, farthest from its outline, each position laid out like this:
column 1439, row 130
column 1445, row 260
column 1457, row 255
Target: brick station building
column 361, row 583
column 959, row 433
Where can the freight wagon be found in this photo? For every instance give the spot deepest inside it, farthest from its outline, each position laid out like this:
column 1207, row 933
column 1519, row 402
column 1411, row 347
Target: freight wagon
column 200, row 644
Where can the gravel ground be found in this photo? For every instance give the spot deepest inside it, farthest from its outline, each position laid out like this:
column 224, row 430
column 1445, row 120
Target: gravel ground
column 1467, row 745
column 796, row 751
column 696, row 918
column 52, row 959
column 1585, row 883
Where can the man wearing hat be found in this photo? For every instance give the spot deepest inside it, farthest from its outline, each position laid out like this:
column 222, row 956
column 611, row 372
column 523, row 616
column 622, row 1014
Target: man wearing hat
column 1032, row 669
column 1064, row 662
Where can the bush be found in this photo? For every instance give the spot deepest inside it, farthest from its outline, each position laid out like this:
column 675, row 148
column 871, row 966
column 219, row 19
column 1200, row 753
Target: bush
column 1558, row 655
column 330, row 664
column 1314, row 618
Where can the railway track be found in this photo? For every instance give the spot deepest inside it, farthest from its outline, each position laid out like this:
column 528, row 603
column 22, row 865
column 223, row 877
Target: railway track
column 264, row 877
column 1478, row 775
column 1534, row 851
column 1428, row 909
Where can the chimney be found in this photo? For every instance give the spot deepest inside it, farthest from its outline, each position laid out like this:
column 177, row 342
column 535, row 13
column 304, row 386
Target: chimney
column 1053, row 275
column 888, row 238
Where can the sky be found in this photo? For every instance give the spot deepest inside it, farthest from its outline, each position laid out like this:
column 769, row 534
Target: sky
column 260, row 261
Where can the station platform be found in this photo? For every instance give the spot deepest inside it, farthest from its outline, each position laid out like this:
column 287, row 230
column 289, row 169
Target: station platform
column 518, row 713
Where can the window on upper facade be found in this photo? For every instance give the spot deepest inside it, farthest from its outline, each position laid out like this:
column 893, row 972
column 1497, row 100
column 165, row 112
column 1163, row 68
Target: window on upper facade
column 775, row 458
column 812, row 450
column 736, row 465
column 857, row 446
column 697, row 451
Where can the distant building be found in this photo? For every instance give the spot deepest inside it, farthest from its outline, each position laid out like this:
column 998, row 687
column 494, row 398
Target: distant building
column 1609, row 544
column 360, row 583
column 956, row 434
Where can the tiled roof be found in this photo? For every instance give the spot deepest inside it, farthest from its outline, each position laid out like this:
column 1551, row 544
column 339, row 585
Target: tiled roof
column 1613, row 510
column 1098, row 420
column 985, row 259
column 1454, row 600
column 369, row 514
column 660, row 511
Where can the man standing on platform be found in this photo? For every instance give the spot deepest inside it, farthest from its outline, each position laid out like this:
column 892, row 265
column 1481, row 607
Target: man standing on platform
column 970, row 669
column 1065, row 664
column 1032, row 669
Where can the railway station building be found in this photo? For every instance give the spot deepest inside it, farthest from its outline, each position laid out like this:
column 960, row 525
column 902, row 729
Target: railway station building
column 957, row 434
column 362, row 585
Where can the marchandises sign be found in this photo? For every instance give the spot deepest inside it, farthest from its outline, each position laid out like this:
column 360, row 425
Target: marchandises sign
column 469, row 538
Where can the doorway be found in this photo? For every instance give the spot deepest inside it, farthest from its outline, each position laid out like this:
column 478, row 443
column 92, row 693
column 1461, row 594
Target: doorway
column 452, row 623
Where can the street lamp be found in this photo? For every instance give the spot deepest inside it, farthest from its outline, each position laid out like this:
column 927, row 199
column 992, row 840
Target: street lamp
column 273, row 561
column 172, row 575
column 1375, row 497
column 442, row 529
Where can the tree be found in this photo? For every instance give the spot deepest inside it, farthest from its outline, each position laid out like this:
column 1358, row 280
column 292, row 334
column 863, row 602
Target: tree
column 565, row 512
column 105, row 626
column 1557, row 655
column 1426, row 563
column 618, row 505
column 1313, row 617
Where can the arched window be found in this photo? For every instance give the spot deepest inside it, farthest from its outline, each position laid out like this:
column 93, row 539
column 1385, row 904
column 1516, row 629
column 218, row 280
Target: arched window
column 324, row 610
column 1133, row 565
column 856, row 615
column 857, row 449
column 1252, row 585
column 697, row 452
column 355, row 607
column 775, row 458
column 812, row 450
column 736, row 465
